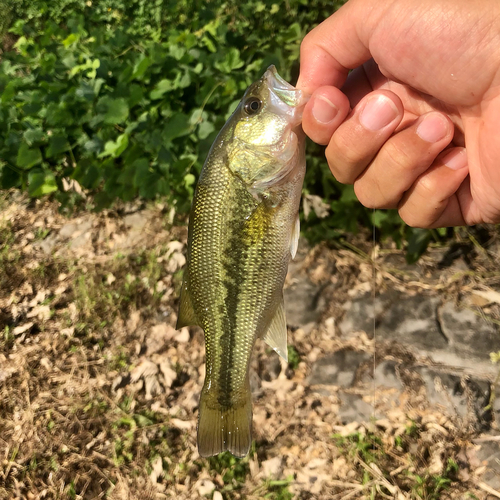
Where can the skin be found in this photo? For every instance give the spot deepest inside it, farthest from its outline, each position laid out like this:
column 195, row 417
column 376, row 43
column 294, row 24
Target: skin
column 416, row 125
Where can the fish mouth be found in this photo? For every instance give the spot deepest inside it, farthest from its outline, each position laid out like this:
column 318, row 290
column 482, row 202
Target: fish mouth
column 286, row 95
column 284, row 90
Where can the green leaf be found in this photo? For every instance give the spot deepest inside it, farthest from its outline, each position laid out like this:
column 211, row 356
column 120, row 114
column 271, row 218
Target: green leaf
column 41, row 182
column 378, row 217
column 115, row 148
column 115, row 110
column 161, row 89
column 28, row 157
column 205, row 129
column 141, row 171
column 230, row 62
column 141, row 66
column 33, row 135
column 71, row 39
column 58, row 143
column 417, row 244
column 177, row 126
column 176, row 51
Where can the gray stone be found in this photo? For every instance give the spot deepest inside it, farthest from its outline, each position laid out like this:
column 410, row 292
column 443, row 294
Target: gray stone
column 385, row 376
column 137, row 220
column 409, row 320
column 302, row 302
column 450, row 391
column 469, row 334
column 47, row 244
column 69, row 230
column 353, row 408
column 360, row 314
column 456, row 338
column 338, row 368
column 443, row 389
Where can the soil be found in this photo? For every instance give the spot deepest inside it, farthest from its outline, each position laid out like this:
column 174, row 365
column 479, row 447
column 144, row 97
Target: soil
column 99, row 392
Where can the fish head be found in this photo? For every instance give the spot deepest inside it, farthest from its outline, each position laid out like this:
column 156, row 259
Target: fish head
column 266, row 128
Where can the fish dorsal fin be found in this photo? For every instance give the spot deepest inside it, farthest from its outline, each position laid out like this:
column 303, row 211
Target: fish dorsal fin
column 294, row 237
column 276, row 335
column 187, row 316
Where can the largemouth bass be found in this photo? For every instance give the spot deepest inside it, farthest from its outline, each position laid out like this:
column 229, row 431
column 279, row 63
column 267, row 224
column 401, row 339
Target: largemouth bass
column 243, row 229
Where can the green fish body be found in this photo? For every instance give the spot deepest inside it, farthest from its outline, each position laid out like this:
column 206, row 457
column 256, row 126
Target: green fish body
column 243, row 229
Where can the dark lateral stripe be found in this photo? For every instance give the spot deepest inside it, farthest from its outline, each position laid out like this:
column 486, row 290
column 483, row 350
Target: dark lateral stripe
column 234, row 263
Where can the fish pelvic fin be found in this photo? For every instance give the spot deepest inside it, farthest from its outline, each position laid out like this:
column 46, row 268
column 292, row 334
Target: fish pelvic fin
column 276, row 335
column 294, row 237
column 187, row 316
column 225, row 429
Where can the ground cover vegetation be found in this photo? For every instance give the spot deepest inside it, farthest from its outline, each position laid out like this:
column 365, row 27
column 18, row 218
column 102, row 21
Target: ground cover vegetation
column 99, row 392
column 126, row 98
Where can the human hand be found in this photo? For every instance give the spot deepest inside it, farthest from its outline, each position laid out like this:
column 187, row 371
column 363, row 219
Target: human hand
column 423, row 133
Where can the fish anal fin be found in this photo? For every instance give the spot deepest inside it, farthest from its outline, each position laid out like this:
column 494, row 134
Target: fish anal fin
column 187, row 316
column 294, row 237
column 225, row 429
column 276, row 335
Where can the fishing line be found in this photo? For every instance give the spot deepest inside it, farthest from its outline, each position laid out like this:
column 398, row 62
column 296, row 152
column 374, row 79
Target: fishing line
column 374, row 290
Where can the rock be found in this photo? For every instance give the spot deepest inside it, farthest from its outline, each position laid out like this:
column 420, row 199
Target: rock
column 353, row 408
column 469, row 334
column 360, row 313
column 302, row 302
column 75, row 229
column 47, row 244
column 338, row 368
column 447, row 390
column 409, row 320
column 384, row 376
column 136, row 220
column 457, row 338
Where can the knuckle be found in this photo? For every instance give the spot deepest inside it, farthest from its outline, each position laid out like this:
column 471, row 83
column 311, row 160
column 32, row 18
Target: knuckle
column 414, row 220
column 345, row 150
column 371, row 195
column 345, row 163
column 427, row 187
column 397, row 154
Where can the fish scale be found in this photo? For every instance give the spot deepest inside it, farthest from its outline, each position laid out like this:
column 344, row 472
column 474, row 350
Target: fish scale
column 241, row 232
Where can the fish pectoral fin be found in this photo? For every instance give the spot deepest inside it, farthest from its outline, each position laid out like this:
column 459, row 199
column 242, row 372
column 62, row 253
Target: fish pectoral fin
column 294, row 237
column 187, row 316
column 276, row 335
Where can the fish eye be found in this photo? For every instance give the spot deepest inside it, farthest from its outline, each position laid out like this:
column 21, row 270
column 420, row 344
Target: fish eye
column 252, row 105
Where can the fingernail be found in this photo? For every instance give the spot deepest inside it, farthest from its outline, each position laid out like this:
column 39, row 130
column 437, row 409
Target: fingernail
column 324, row 111
column 456, row 159
column 433, row 128
column 378, row 112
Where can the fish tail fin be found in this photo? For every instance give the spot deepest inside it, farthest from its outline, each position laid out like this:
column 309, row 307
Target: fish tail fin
column 225, row 428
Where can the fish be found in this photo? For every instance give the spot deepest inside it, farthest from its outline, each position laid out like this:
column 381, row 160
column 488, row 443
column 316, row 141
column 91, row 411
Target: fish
column 243, row 229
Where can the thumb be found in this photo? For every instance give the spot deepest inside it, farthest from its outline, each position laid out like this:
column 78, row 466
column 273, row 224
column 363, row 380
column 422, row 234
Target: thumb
column 338, row 44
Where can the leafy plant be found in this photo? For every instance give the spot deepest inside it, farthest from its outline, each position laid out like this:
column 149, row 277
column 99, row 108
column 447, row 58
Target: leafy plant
column 233, row 470
column 368, row 447
column 293, row 357
column 124, row 99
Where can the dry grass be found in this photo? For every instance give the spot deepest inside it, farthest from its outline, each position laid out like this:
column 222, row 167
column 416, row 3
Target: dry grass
column 99, row 393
